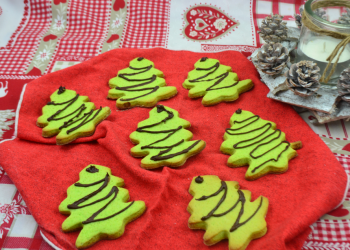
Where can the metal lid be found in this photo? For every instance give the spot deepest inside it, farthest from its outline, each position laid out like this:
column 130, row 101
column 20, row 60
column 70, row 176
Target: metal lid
column 322, row 22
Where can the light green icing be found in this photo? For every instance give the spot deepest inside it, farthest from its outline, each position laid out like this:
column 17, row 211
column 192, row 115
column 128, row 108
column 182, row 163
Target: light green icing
column 52, row 127
column 241, row 156
column 148, row 100
column 223, row 91
column 144, row 138
column 219, row 227
column 111, row 228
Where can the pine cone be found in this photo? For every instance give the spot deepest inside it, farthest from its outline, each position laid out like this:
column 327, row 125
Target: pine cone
column 345, row 17
column 319, row 12
column 273, row 29
column 272, row 58
column 344, row 85
column 303, row 78
column 298, row 17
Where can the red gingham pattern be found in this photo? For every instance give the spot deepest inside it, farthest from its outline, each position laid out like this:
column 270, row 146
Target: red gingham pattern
column 345, row 161
column 16, row 59
column 333, row 230
column 35, row 243
column 87, row 28
column 147, row 24
column 336, row 231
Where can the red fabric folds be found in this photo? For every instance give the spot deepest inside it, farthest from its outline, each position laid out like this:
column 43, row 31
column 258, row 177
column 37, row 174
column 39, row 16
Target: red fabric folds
column 314, row 184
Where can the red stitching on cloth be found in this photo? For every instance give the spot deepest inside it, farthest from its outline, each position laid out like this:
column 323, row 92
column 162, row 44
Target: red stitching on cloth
column 168, row 27
column 258, row 43
column 339, row 139
column 147, row 24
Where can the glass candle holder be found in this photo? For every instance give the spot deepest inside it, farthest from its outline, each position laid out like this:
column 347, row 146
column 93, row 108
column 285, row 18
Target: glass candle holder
column 317, row 47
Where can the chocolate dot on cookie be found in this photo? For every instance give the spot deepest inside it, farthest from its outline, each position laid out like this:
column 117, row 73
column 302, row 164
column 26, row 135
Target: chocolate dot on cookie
column 92, row 169
column 203, row 59
column 160, row 108
column 238, row 111
column 199, row 179
column 61, row 90
column 140, row 59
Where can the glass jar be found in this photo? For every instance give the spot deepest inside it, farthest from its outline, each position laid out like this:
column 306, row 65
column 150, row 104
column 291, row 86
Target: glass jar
column 316, row 47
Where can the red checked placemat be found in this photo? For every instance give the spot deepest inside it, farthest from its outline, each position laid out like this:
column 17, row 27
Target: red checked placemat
column 42, row 171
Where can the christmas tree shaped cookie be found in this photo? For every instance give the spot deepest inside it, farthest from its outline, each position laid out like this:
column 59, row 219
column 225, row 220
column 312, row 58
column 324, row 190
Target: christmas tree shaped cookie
column 139, row 85
column 163, row 139
column 226, row 212
column 70, row 116
column 98, row 206
column 215, row 82
column 255, row 142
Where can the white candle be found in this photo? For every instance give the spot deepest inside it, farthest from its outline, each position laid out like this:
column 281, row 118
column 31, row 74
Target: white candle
column 320, row 48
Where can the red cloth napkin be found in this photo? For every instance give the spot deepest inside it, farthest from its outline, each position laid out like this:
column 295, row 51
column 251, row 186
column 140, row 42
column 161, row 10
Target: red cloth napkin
column 314, row 184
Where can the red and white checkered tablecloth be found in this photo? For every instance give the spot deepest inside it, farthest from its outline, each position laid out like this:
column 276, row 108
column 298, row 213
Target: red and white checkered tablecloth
column 41, row 36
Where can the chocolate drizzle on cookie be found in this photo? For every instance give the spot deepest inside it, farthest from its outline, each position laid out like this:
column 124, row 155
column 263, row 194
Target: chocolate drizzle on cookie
column 241, row 200
column 84, row 119
column 114, row 192
column 162, row 153
column 275, row 135
column 217, row 80
column 136, row 87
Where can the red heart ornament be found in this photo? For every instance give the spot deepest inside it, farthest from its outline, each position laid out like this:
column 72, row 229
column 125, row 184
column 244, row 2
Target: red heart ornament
column 57, row 2
column 35, row 71
column 200, row 24
column 204, row 23
column 339, row 212
column 346, row 147
column 49, row 37
column 112, row 38
column 118, row 4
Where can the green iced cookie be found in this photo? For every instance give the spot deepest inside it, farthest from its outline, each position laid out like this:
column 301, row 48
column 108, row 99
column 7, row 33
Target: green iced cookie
column 139, row 85
column 98, row 206
column 215, row 82
column 70, row 116
column 226, row 212
column 163, row 139
column 255, row 142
